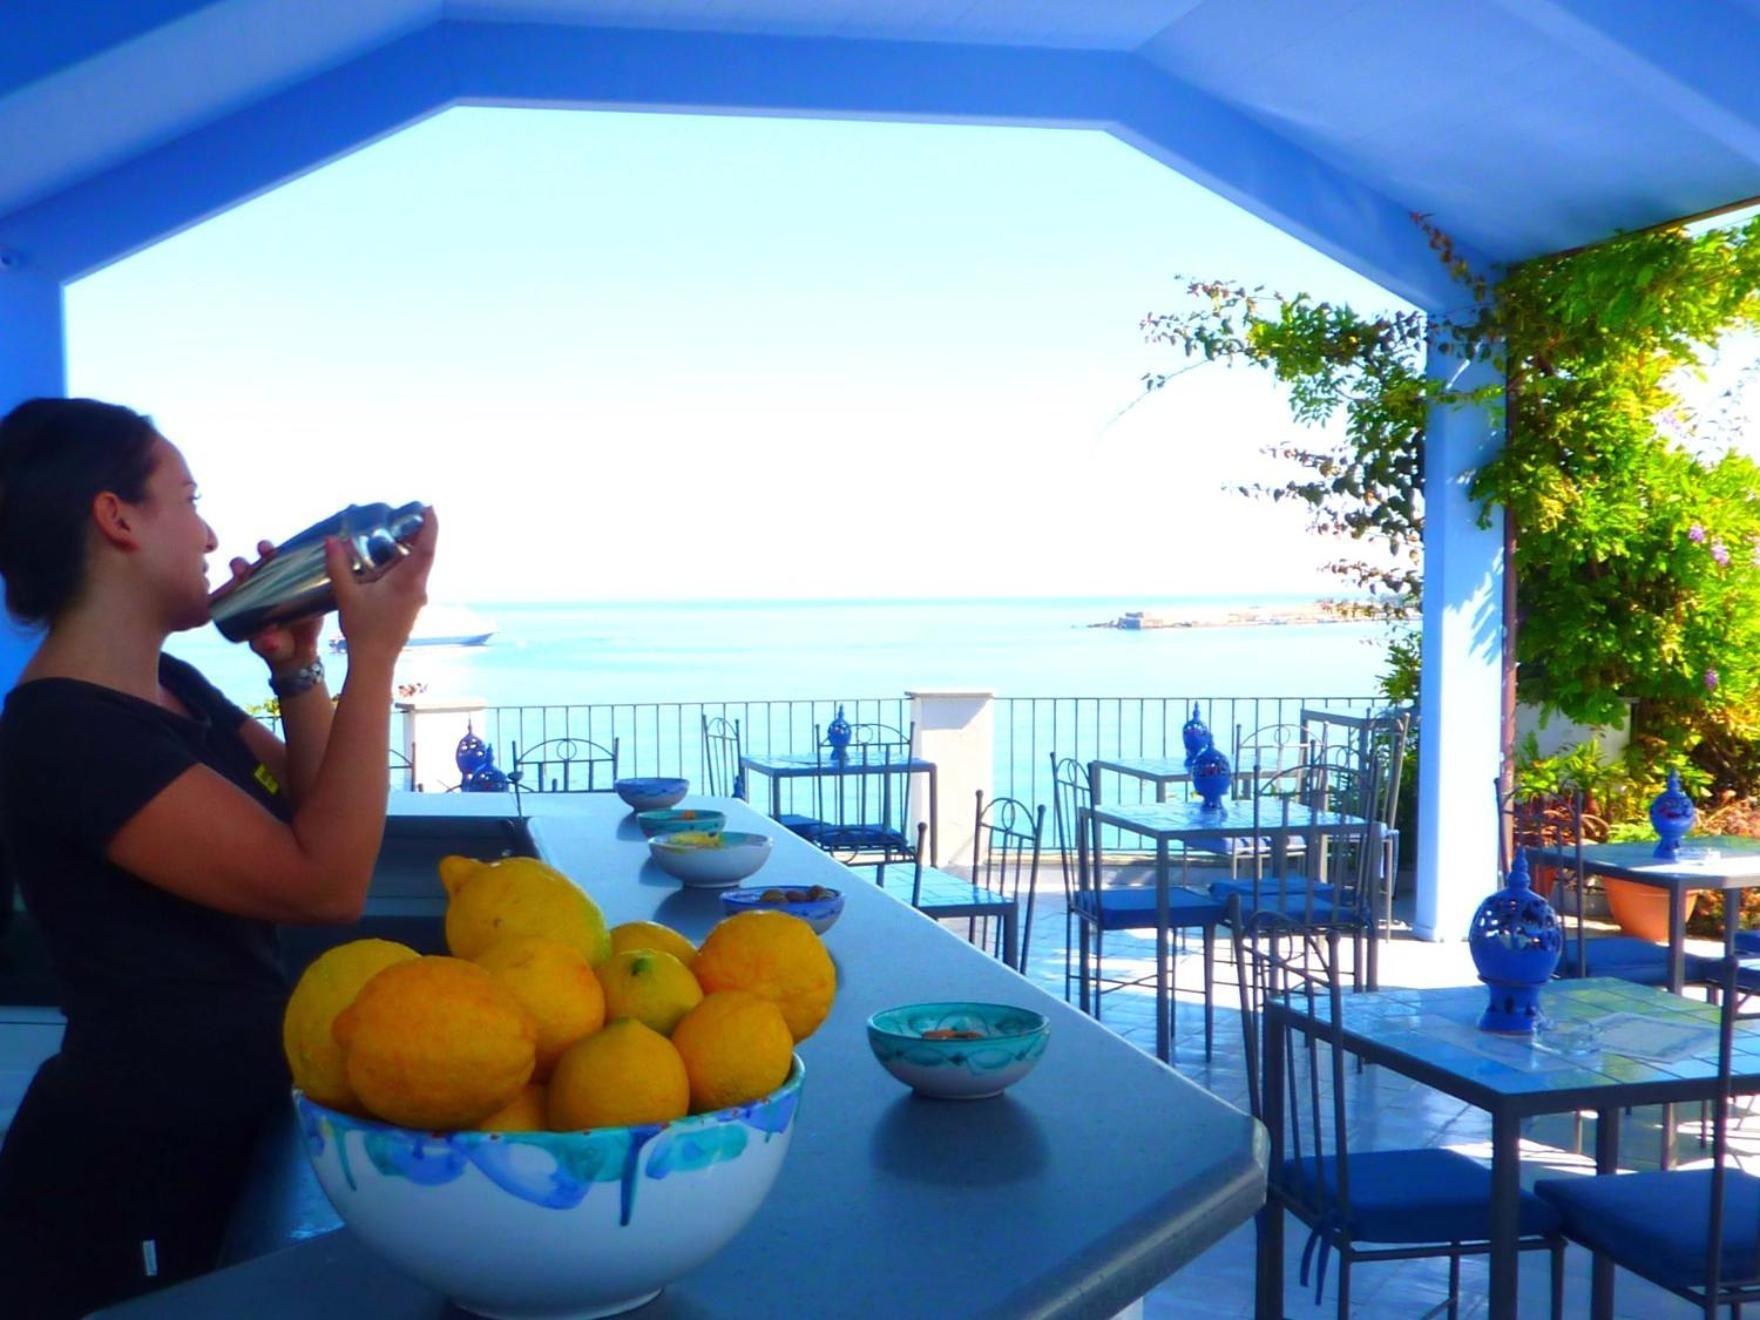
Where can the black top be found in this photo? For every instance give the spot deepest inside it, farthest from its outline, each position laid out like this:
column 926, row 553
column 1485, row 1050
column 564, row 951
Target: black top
column 187, row 999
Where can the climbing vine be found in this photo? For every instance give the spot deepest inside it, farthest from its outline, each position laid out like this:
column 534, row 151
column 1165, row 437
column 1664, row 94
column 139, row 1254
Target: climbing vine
column 1637, row 523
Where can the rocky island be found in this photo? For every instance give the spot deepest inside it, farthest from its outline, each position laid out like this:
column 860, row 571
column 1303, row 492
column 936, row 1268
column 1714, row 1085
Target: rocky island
column 1239, row 616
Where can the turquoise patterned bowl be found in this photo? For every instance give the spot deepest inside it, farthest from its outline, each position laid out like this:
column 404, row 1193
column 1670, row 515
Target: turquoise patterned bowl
column 675, row 820
column 958, row 1051
column 541, row 1224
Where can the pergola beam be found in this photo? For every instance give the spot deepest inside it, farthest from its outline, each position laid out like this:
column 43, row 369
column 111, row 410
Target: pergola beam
column 127, row 208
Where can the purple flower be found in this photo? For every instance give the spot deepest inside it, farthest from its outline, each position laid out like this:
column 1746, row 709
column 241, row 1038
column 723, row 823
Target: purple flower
column 1720, row 554
column 1696, row 534
column 1711, row 680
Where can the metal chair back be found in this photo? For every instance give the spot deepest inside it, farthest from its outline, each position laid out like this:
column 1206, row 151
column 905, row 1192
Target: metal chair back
column 564, row 765
column 1279, row 960
column 863, row 800
column 1006, row 840
column 1071, row 797
column 723, row 775
column 402, row 772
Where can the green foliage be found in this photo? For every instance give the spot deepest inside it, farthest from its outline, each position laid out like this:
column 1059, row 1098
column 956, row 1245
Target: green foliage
column 1369, row 486
column 1637, row 544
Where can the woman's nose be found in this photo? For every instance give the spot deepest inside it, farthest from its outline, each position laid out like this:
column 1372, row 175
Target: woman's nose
column 213, row 541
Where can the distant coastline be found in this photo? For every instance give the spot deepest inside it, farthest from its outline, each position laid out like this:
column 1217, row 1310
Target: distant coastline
column 1245, row 616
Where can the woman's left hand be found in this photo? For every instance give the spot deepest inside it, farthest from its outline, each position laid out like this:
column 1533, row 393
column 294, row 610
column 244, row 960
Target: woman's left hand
column 284, row 644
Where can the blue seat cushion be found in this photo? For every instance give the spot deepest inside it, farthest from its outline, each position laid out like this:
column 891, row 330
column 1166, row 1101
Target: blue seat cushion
column 1661, row 1221
column 805, row 826
column 1297, row 906
column 1134, row 909
column 1403, row 1196
column 861, row 838
column 1748, row 941
column 1268, row 884
column 940, row 890
column 1629, row 959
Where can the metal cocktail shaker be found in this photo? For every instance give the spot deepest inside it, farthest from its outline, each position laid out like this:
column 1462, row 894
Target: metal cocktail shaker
column 295, row 583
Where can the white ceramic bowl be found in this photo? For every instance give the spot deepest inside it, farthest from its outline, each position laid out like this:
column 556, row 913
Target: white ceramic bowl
column 651, row 794
column 958, row 1050
column 710, row 861
column 545, row 1225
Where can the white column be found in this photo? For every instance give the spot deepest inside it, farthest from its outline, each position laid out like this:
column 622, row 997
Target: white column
column 955, row 730
column 32, row 363
column 431, row 730
column 1460, row 699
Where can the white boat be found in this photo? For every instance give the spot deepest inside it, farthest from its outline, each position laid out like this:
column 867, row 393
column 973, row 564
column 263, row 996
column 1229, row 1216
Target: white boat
column 442, row 625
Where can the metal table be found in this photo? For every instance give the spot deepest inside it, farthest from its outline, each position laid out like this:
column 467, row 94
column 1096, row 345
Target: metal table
column 1613, row 1044
column 1074, row 1194
column 1737, row 868
column 778, row 766
column 1184, row 822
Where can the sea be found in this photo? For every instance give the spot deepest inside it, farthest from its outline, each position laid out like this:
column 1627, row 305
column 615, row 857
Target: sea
column 722, row 651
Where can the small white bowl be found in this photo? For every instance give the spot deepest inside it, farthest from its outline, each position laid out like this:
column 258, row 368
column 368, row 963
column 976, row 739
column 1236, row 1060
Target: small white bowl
column 709, row 862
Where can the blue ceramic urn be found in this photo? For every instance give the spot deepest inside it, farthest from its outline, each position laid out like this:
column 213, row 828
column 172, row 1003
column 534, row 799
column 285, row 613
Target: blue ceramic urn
column 837, row 733
column 1210, row 776
column 472, row 754
column 1196, row 736
column 1515, row 940
column 1672, row 814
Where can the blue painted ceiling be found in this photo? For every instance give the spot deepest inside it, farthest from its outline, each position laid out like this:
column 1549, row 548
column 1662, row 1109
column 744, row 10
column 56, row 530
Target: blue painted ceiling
column 1522, row 126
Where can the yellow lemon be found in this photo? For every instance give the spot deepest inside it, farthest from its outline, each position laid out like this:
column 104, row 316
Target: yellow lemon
column 735, row 1048
column 554, row 984
column 623, row 1075
column 652, row 935
column 326, row 987
column 524, row 1113
column 455, row 870
column 436, row 1043
column 523, row 896
column 650, row 986
column 774, row 955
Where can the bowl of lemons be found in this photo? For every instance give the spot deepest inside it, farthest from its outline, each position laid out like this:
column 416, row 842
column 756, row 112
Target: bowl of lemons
column 702, row 860
column 553, row 1120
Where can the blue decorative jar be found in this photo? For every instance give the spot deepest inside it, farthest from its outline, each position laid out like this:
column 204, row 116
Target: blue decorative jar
column 472, row 754
column 1210, row 776
column 1673, row 814
column 1516, row 940
column 837, row 734
column 1196, row 736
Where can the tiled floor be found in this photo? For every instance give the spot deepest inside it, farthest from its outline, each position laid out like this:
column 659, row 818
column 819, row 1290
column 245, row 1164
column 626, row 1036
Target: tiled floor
column 1386, row 1111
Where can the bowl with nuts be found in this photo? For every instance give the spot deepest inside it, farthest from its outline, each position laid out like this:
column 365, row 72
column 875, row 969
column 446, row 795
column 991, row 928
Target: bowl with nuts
column 816, row 905
column 958, row 1050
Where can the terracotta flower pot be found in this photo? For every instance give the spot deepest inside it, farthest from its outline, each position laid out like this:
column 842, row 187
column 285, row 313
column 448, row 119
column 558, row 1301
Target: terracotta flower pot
column 1642, row 910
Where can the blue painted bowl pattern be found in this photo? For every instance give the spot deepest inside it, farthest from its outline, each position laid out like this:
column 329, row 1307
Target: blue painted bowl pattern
column 1010, row 1042
column 553, row 1170
column 819, row 913
column 674, row 820
column 651, row 794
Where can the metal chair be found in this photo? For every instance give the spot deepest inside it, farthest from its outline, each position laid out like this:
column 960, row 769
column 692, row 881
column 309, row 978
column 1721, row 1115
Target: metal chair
column 724, row 770
column 564, row 765
column 1695, row 1232
column 1006, row 838
column 862, row 799
column 400, row 767
column 1420, row 1203
column 1094, row 908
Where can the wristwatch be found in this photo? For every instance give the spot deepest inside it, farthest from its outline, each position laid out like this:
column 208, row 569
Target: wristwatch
column 295, row 681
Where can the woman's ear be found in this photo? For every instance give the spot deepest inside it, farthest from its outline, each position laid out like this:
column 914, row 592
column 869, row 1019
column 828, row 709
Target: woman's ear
column 111, row 516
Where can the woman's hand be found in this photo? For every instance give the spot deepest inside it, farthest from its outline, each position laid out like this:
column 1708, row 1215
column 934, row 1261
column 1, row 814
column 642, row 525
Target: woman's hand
column 376, row 616
column 284, row 645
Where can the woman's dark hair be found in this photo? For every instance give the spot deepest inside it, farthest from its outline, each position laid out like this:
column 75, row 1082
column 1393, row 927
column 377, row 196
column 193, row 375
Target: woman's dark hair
column 56, row 456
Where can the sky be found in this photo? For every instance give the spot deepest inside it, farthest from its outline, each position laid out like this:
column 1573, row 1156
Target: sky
column 649, row 356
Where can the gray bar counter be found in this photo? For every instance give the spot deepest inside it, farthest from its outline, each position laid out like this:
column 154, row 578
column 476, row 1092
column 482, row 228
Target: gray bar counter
column 1073, row 1194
